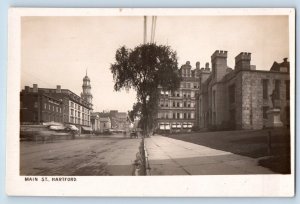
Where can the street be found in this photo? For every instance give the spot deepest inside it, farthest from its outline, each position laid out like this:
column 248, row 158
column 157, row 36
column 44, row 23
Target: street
column 93, row 156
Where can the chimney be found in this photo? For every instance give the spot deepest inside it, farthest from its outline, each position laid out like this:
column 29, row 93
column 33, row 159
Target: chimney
column 219, row 64
column 26, row 89
column 35, row 88
column 242, row 61
column 207, row 66
column 197, row 65
column 285, row 59
column 58, row 89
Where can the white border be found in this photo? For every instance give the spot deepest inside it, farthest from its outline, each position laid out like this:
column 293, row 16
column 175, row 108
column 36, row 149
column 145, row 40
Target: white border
column 177, row 186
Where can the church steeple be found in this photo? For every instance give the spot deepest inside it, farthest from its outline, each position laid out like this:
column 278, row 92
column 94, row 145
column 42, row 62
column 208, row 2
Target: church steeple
column 86, row 89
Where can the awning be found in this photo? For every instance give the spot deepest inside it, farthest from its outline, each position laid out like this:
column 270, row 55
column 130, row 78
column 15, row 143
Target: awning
column 178, row 125
column 190, row 125
column 73, row 127
column 167, row 127
column 162, row 127
column 57, row 127
column 53, row 123
column 87, row 128
column 173, row 125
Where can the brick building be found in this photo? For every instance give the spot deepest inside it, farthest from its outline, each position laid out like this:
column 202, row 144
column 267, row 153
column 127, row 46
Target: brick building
column 177, row 110
column 239, row 98
column 40, row 105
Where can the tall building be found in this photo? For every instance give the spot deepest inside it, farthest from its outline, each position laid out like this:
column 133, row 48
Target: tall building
column 239, row 98
column 177, row 110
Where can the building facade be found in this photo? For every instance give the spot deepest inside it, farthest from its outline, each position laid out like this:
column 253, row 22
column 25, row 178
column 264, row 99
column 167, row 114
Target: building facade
column 40, row 105
column 177, row 110
column 239, row 98
column 95, row 122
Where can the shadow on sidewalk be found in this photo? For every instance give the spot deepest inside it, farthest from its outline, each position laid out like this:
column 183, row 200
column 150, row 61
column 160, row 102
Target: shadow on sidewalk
column 274, row 151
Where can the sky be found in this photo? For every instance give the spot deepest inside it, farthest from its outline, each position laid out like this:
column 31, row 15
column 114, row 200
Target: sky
column 59, row 50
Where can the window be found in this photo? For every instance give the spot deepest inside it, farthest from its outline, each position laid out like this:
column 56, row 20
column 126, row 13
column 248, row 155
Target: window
column 174, row 104
column 45, row 105
column 277, row 89
column 184, row 115
column 214, row 98
column 56, row 109
column 265, row 88
column 189, row 115
column 178, row 105
column 35, row 104
column 189, row 105
column 178, row 95
column 188, row 85
column 178, row 115
column 287, row 90
column 184, row 104
column 174, row 115
column 192, row 94
column 265, row 109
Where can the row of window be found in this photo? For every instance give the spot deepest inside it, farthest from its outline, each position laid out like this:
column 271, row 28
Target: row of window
column 78, row 107
column 168, row 126
column 51, row 107
column 189, row 85
column 174, row 104
column 50, row 117
column 79, row 121
column 185, row 115
column 184, row 94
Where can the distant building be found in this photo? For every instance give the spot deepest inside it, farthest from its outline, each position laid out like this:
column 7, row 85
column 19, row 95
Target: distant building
column 239, row 98
column 177, row 110
column 105, row 124
column 95, row 122
column 114, row 120
column 119, row 120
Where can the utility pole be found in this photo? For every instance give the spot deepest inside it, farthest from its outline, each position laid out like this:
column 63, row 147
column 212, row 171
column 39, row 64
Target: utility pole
column 145, row 29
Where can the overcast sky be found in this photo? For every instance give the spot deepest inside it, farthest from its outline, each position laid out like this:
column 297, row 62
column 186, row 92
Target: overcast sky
column 58, row 50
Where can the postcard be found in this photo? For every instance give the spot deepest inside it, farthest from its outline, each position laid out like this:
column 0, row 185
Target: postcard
column 151, row 102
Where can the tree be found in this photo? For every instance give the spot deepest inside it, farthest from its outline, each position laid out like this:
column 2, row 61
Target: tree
column 136, row 111
column 146, row 68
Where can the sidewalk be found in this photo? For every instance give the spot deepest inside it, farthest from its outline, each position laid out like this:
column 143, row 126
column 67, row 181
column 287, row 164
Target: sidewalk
column 169, row 156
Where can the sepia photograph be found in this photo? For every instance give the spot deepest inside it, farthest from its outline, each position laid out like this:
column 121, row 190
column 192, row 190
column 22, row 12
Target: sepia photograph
column 154, row 95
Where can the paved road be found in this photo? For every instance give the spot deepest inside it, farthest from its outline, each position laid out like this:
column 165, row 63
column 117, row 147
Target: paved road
column 94, row 156
column 169, row 156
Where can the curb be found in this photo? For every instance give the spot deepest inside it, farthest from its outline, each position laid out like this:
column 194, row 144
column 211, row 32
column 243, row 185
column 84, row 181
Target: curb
column 147, row 165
